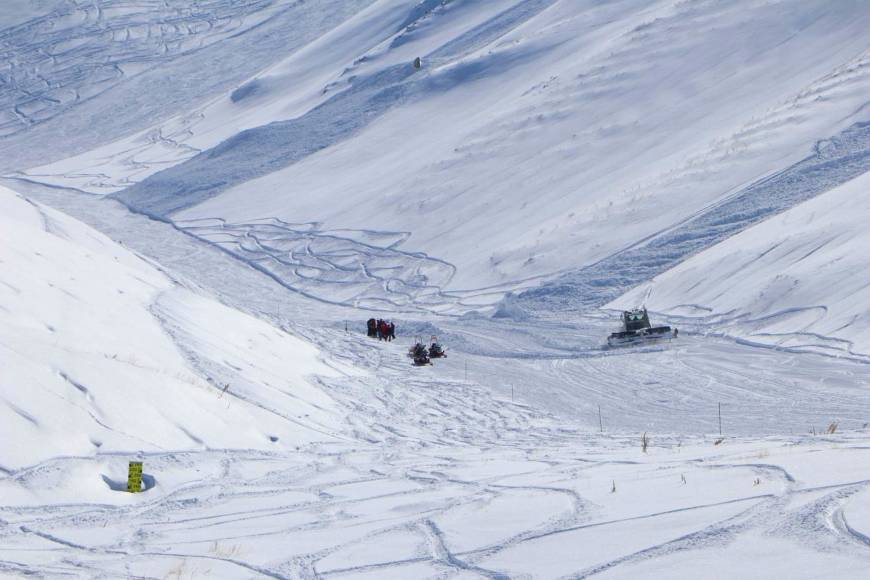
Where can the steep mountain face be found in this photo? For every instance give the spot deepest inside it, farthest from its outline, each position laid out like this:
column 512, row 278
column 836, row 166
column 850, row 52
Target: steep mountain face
column 565, row 150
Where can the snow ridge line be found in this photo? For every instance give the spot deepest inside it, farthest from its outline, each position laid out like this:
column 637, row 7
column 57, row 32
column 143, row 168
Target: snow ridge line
column 635, row 518
column 712, row 533
column 453, row 560
column 840, row 522
column 62, row 542
column 245, row 565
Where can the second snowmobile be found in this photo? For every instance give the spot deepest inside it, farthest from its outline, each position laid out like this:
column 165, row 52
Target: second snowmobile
column 435, row 349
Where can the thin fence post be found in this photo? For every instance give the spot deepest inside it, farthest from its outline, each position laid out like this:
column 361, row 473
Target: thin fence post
column 466, row 371
column 600, row 422
column 720, row 419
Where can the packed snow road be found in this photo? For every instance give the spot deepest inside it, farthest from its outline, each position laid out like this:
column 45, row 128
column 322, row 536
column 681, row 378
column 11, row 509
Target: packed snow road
column 673, row 386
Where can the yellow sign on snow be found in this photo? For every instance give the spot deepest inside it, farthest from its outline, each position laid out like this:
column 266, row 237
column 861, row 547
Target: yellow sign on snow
column 134, row 478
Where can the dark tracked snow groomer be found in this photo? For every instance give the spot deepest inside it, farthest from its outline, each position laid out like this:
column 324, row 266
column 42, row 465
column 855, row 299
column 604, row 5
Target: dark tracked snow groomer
column 636, row 329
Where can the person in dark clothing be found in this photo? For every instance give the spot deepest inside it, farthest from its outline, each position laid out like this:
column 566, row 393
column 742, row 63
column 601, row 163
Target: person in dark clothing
column 420, row 355
column 392, row 331
column 371, row 328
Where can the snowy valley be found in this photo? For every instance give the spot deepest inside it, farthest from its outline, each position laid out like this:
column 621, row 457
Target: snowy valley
column 202, row 202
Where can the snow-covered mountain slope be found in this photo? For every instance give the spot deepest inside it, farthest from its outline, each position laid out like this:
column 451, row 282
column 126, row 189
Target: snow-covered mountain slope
column 538, row 137
column 102, row 351
column 289, row 88
column 543, row 146
column 88, row 72
column 794, row 281
column 835, row 161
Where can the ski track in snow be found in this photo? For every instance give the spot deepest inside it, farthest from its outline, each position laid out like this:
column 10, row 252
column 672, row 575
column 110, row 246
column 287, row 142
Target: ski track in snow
column 359, row 268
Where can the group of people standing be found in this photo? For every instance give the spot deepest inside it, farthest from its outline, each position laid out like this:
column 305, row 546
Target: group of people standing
column 381, row 329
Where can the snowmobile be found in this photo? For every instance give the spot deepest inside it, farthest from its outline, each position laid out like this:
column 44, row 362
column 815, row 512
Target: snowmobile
column 435, row 349
column 636, row 329
column 420, row 355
